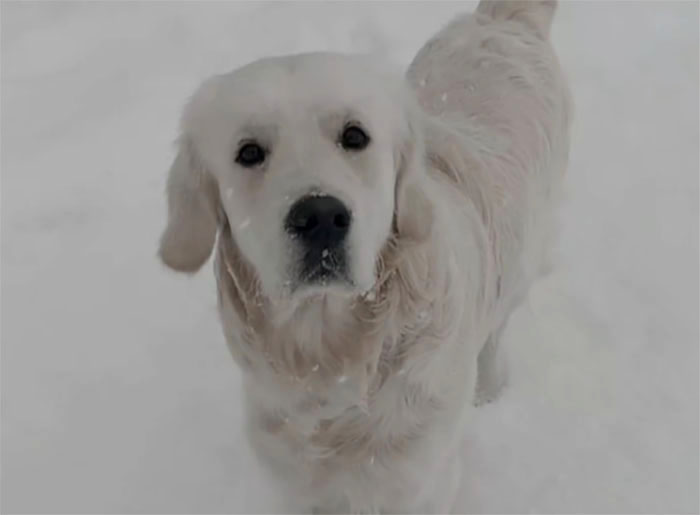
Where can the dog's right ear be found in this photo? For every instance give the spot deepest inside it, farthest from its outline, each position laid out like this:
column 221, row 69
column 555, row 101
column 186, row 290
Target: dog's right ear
column 193, row 212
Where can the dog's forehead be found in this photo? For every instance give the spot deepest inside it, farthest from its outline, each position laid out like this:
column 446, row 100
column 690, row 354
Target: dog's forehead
column 323, row 82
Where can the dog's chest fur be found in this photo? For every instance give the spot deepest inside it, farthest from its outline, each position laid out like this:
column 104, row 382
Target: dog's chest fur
column 362, row 387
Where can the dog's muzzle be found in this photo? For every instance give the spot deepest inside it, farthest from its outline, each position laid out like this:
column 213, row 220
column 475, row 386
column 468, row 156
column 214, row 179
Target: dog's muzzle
column 321, row 224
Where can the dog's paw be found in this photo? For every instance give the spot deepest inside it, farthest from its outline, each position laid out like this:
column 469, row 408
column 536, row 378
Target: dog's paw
column 487, row 396
column 490, row 388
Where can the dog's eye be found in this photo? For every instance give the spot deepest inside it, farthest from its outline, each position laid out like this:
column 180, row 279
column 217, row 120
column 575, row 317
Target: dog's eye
column 354, row 138
column 250, row 154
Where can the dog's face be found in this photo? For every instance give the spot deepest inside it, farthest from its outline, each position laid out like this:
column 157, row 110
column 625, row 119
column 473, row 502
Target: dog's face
column 302, row 155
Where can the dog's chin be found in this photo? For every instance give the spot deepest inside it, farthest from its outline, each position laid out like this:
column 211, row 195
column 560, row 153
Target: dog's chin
column 301, row 294
column 322, row 283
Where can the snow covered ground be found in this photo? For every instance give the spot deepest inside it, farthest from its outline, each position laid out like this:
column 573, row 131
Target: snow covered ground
column 118, row 394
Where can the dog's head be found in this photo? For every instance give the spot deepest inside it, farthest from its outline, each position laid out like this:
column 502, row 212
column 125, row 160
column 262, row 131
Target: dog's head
column 315, row 161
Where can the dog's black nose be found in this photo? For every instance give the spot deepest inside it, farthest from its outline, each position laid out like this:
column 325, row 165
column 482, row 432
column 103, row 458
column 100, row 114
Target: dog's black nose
column 321, row 221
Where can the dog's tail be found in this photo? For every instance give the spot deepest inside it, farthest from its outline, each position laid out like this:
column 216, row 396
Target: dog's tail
column 535, row 14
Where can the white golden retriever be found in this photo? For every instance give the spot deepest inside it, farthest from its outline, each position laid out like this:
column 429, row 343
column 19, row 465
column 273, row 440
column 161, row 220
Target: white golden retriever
column 374, row 233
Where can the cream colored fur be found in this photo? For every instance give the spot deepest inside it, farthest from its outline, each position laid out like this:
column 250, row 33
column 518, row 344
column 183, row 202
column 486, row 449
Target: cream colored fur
column 356, row 397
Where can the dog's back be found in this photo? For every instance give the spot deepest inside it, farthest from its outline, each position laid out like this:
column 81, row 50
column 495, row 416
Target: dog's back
column 500, row 110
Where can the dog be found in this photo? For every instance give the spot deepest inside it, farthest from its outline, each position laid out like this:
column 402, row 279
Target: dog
column 374, row 230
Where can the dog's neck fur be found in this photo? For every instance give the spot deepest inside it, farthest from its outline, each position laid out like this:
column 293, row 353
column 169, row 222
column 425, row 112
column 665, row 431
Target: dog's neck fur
column 345, row 347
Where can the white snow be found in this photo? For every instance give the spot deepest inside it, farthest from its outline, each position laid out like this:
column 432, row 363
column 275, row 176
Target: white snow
column 118, row 393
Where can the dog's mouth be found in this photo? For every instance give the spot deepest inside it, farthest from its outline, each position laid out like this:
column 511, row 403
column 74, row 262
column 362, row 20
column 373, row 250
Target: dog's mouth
column 323, row 269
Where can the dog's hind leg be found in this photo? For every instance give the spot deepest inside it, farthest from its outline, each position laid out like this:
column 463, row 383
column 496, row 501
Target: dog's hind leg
column 492, row 375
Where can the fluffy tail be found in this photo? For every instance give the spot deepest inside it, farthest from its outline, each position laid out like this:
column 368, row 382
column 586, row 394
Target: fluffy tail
column 535, row 14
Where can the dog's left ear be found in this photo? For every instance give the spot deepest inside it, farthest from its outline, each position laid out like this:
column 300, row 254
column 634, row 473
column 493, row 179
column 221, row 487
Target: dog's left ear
column 414, row 209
